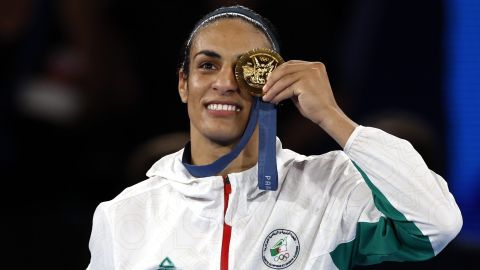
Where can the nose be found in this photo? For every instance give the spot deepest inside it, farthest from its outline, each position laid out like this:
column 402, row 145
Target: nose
column 226, row 82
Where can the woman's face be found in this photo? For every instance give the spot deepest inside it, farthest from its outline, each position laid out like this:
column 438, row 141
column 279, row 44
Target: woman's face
column 217, row 108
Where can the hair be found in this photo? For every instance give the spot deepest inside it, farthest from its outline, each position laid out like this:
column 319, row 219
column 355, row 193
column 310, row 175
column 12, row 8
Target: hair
column 237, row 11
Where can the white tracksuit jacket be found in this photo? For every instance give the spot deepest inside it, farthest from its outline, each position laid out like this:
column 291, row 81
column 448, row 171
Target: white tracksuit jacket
column 372, row 202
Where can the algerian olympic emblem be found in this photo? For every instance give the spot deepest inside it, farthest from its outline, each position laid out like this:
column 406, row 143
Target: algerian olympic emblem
column 280, row 249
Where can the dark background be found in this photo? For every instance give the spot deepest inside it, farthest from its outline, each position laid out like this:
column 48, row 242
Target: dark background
column 89, row 90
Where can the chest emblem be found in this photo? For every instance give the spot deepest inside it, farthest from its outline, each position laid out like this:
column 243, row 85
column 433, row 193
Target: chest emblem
column 280, row 249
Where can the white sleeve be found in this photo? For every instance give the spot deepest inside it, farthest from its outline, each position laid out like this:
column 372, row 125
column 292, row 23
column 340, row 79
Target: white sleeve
column 403, row 187
column 101, row 241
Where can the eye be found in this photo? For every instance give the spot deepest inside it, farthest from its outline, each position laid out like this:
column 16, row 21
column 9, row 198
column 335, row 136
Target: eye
column 207, row 66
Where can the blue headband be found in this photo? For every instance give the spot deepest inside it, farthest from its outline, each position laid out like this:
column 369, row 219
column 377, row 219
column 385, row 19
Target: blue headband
column 238, row 11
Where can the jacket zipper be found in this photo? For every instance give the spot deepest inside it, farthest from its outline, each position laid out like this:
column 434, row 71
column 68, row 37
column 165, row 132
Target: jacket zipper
column 227, row 230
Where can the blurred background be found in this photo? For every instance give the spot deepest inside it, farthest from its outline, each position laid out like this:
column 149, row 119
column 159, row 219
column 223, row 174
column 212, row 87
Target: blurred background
column 89, row 101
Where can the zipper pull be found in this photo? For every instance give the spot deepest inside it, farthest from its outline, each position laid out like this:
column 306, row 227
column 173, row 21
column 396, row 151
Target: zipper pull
column 227, row 185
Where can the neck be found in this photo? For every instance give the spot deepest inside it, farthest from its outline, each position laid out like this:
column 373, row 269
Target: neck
column 205, row 151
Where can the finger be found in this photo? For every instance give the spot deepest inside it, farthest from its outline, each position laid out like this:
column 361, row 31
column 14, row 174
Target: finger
column 283, row 95
column 281, row 85
column 282, row 70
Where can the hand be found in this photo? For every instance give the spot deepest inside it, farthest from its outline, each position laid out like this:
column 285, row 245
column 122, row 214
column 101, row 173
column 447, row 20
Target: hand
column 307, row 84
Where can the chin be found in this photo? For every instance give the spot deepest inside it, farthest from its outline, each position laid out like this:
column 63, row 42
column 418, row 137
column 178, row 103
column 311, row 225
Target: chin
column 225, row 138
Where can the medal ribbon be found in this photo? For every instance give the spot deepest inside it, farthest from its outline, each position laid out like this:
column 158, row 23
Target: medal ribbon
column 267, row 152
column 265, row 114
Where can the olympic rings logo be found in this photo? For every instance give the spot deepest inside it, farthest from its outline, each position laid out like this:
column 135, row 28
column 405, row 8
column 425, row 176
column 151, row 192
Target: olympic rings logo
column 275, row 254
column 282, row 257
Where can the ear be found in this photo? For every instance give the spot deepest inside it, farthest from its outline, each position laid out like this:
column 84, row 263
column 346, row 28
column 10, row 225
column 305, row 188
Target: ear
column 182, row 86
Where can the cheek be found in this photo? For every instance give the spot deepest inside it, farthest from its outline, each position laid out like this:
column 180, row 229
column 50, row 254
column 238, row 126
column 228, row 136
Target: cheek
column 199, row 83
column 196, row 87
column 193, row 104
column 194, row 96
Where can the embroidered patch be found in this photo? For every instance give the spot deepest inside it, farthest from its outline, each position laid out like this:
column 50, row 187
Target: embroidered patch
column 280, row 249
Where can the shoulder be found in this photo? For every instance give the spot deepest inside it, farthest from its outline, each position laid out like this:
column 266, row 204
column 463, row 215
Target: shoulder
column 150, row 185
column 331, row 162
column 142, row 191
column 329, row 173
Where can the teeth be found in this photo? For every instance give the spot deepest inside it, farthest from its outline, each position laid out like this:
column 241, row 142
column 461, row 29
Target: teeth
column 223, row 107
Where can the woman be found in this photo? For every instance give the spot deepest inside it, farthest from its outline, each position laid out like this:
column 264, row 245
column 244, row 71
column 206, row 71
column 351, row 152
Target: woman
column 374, row 201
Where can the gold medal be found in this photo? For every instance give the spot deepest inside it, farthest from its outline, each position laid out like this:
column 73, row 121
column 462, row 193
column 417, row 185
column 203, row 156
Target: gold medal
column 253, row 67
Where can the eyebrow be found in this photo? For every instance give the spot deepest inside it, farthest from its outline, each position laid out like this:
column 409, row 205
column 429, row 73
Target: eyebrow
column 212, row 54
column 208, row 53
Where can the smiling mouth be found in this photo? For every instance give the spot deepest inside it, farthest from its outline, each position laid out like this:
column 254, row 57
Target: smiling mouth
column 223, row 107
